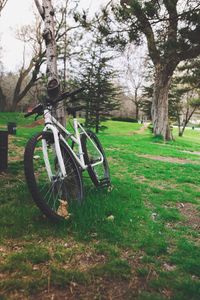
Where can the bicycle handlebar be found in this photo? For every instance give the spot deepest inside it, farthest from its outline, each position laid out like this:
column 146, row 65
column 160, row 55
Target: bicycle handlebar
column 28, row 114
column 68, row 95
column 36, row 110
column 39, row 109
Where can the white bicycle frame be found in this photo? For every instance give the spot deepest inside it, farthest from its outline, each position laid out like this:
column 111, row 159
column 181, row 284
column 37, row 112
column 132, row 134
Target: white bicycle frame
column 51, row 124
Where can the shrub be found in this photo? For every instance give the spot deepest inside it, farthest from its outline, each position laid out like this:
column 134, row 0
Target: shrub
column 124, row 119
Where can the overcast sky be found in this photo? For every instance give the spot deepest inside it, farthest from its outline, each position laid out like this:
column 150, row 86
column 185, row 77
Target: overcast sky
column 18, row 13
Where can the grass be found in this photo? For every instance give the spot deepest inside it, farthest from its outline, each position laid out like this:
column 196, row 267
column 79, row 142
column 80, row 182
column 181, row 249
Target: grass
column 150, row 250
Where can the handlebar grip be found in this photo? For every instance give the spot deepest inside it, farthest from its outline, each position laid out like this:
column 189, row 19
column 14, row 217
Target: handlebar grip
column 38, row 109
column 68, row 95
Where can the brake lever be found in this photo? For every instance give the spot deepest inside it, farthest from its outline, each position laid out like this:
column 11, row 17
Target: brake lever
column 36, row 117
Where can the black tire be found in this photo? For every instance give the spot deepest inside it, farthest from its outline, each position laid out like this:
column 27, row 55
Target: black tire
column 99, row 174
column 48, row 194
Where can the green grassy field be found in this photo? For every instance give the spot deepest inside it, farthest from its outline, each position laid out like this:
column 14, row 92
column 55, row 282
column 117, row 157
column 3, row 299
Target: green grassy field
column 150, row 250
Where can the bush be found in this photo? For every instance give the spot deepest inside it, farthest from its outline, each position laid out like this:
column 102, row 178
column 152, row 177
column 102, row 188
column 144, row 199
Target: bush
column 150, row 127
column 124, row 119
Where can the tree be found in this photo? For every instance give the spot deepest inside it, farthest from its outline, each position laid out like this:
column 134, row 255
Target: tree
column 185, row 93
column 133, row 75
column 2, row 99
column 171, row 29
column 47, row 13
column 56, row 35
column 67, row 38
column 2, row 95
column 146, row 104
column 96, row 74
column 2, row 4
column 28, row 74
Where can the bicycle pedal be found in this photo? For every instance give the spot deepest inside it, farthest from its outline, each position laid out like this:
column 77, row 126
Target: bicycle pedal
column 105, row 182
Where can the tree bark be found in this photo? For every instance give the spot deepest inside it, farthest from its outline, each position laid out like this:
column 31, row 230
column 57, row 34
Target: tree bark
column 97, row 122
column 136, row 104
column 179, row 125
column 2, row 101
column 53, row 85
column 19, row 92
column 187, row 119
column 160, row 103
column 2, row 4
column 136, row 111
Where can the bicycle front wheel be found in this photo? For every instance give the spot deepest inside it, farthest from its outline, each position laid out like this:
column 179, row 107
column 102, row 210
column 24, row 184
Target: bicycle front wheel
column 53, row 194
column 99, row 173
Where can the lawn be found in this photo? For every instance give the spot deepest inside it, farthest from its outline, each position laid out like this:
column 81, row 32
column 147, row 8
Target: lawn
column 149, row 249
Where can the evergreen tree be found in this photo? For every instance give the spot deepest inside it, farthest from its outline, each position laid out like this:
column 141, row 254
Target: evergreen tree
column 96, row 75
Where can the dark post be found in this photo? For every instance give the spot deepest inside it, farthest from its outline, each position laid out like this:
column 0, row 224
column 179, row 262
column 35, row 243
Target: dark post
column 3, row 151
column 12, row 128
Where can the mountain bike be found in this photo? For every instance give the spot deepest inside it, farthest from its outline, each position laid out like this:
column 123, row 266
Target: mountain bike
column 55, row 159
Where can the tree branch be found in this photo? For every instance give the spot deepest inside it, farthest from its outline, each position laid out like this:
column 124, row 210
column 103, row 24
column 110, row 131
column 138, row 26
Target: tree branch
column 40, row 8
column 145, row 27
column 2, row 4
column 171, row 6
column 190, row 53
column 148, row 31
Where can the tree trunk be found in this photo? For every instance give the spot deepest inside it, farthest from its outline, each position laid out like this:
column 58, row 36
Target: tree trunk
column 13, row 106
column 187, row 119
column 183, row 129
column 136, row 104
column 2, row 101
column 97, row 122
column 2, row 4
column 53, row 85
column 179, row 125
column 136, row 111
column 160, row 103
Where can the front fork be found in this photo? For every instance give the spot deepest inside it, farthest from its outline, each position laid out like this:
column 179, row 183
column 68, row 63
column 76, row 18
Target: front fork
column 57, row 150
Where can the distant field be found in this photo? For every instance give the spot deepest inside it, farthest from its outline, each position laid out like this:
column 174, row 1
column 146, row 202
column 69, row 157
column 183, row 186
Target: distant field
column 149, row 251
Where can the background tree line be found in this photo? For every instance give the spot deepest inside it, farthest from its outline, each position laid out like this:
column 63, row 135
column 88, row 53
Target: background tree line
column 166, row 34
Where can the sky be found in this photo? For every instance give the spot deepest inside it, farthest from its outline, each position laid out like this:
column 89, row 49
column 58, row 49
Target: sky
column 21, row 12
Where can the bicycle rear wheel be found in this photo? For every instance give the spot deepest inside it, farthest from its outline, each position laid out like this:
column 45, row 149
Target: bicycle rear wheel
column 52, row 195
column 99, row 174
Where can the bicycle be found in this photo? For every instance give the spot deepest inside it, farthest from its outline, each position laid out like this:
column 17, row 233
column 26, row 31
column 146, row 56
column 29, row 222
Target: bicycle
column 53, row 168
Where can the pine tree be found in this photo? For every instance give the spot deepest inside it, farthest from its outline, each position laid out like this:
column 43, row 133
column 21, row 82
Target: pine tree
column 96, row 75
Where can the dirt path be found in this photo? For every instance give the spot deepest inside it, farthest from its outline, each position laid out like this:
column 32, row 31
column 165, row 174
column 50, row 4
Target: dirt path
column 169, row 159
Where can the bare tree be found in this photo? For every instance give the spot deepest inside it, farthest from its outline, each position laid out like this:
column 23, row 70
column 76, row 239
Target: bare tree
column 66, row 37
column 189, row 108
column 28, row 73
column 134, row 65
column 2, row 100
column 2, row 4
column 47, row 13
column 2, row 95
